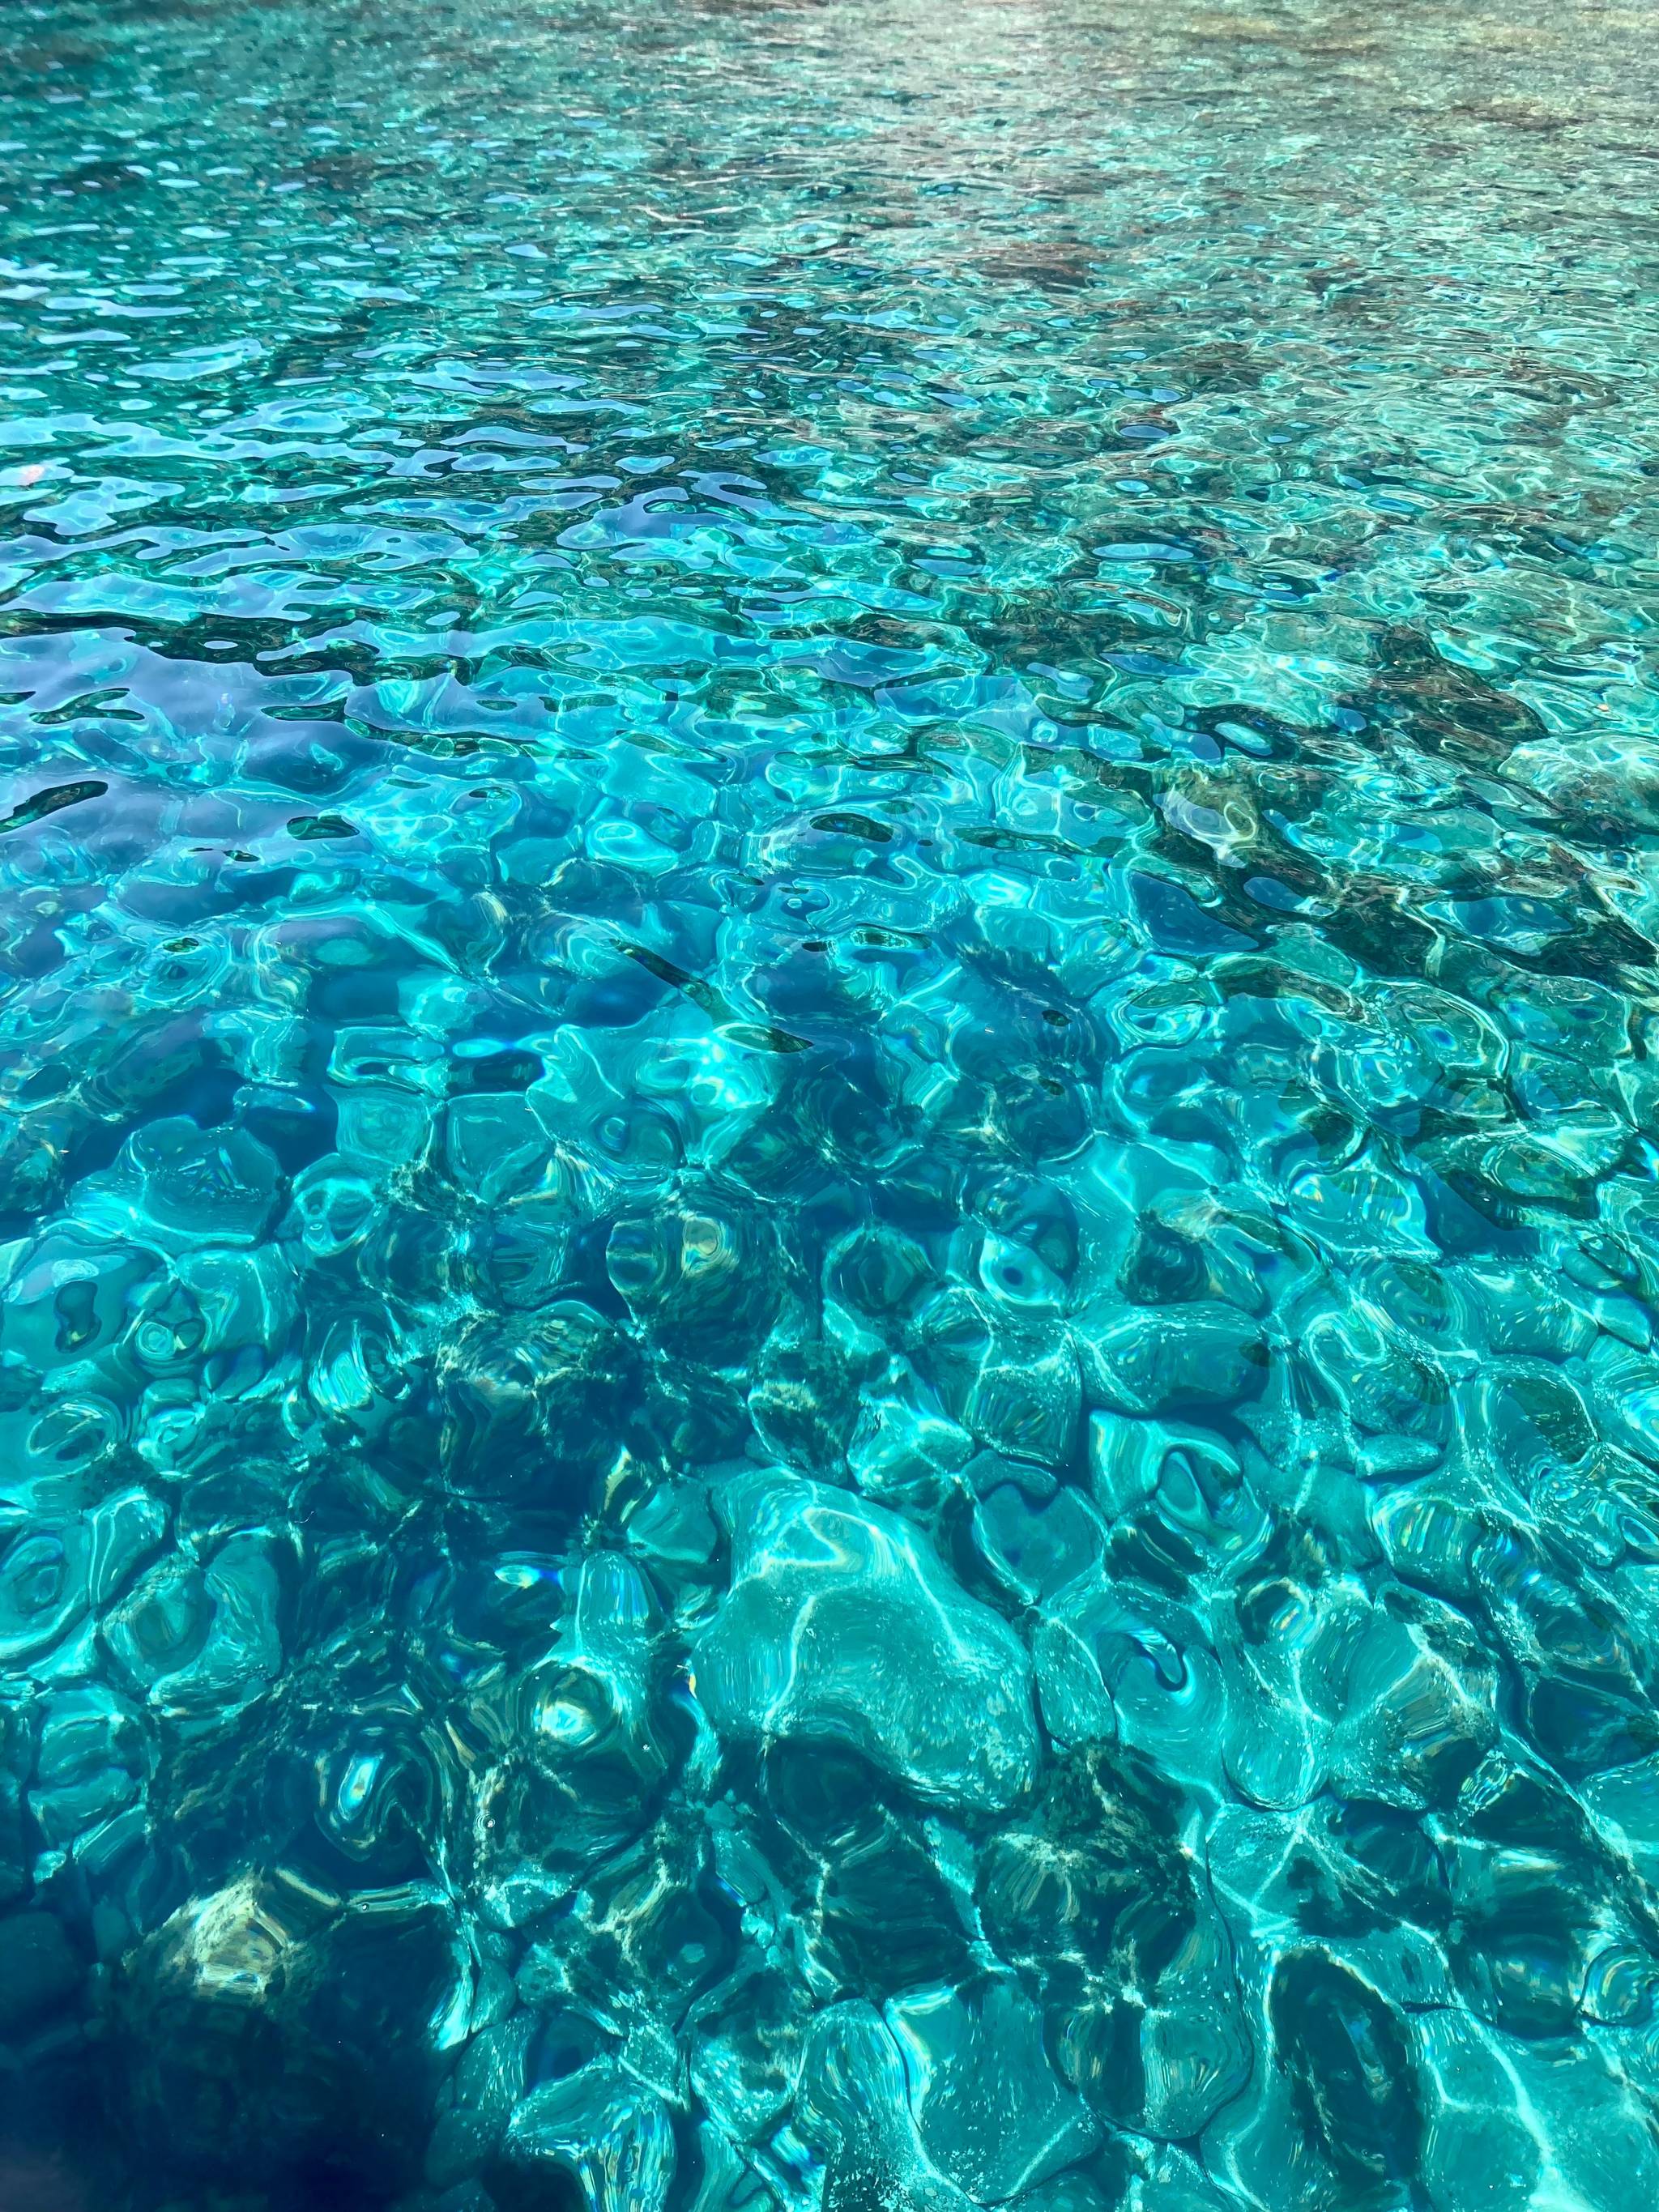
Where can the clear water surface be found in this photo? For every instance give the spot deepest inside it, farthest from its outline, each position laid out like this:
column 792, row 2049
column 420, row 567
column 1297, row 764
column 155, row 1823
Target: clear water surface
column 831, row 862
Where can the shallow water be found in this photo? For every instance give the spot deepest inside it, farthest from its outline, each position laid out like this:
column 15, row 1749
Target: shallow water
column 830, row 863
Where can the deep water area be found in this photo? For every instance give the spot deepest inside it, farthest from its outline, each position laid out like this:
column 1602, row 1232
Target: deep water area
column 829, row 1100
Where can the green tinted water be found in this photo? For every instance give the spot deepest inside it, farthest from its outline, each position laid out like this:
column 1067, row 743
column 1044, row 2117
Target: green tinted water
column 827, row 1008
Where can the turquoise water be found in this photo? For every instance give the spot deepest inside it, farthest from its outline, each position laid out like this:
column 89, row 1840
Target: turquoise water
column 831, row 861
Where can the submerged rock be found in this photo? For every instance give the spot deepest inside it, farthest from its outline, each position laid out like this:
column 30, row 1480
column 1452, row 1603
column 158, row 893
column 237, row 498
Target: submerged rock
column 1350, row 2064
column 842, row 1626
column 990, row 2110
column 260, row 2030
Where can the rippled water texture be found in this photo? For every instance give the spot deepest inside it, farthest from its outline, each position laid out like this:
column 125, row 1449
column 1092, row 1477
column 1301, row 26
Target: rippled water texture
column 830, row 861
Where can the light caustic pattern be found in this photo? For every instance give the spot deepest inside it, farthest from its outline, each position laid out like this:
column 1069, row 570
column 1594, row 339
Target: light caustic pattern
column 828, row 1017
